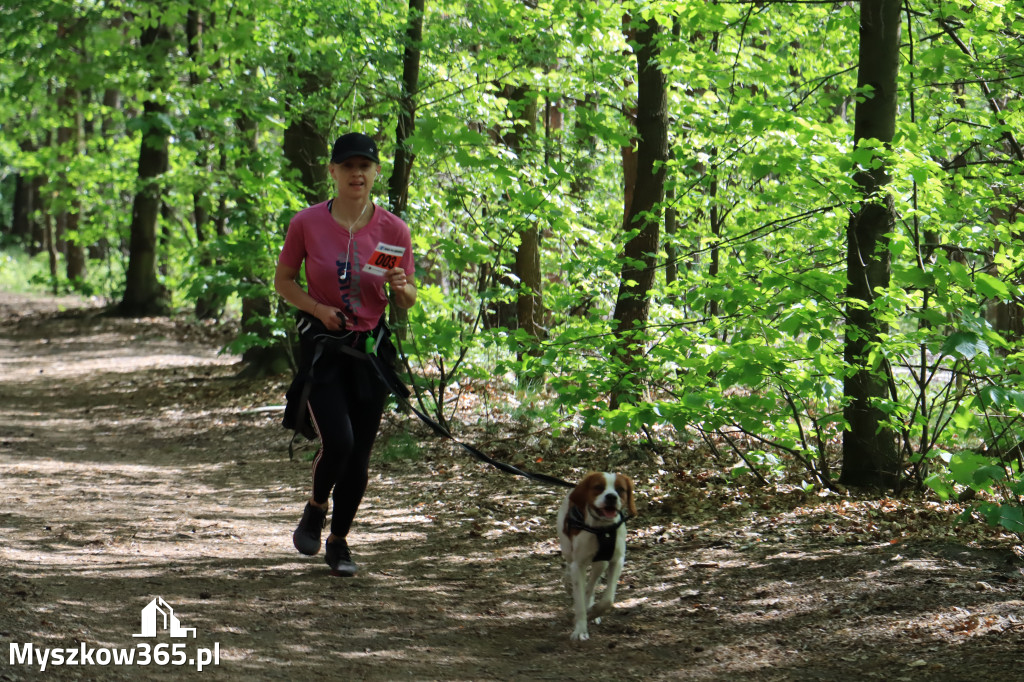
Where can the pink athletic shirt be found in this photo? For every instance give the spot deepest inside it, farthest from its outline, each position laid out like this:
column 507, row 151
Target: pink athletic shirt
column 336, row 261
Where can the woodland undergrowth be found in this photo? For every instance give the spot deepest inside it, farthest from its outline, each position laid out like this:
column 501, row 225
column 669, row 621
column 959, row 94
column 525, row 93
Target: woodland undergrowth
column 684, row 483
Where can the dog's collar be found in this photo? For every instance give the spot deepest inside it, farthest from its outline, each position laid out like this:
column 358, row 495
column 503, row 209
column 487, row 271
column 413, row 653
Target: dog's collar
column 605, row 534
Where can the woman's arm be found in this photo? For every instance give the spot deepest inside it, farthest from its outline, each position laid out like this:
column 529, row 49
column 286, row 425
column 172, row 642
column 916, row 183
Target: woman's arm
column 403, row 290
column 286, row 285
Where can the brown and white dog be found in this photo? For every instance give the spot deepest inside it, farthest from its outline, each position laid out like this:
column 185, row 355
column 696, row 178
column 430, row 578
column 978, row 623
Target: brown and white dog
column 592, row 534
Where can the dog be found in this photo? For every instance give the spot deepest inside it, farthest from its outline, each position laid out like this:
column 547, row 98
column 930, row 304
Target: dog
column 592, row 535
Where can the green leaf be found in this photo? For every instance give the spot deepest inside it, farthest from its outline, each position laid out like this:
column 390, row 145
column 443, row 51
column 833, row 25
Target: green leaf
column 988, row 474
column 865, row 156
column 941, row 486
column 963, row 465
column 964, row 345
column 1010, row 517
column 791, row 324
column 915, row 277
column 991, row 287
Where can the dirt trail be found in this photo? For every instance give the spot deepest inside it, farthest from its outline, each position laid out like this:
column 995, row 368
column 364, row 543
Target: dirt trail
column 133, row 465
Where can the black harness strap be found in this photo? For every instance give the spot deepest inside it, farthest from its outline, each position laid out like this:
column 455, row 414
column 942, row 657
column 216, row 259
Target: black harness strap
column 398, row 388
column 605, row 535
column 323, row 341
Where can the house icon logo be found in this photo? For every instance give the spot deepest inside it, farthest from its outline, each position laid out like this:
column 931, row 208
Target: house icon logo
column 159, row 613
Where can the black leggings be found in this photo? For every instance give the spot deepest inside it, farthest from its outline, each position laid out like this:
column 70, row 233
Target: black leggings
column 346, row 413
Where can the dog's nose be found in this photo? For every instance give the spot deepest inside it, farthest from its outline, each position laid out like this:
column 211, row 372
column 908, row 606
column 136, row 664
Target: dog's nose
column 611, row 499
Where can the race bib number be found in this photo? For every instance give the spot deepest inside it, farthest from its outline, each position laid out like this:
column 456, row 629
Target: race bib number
column 385, row 257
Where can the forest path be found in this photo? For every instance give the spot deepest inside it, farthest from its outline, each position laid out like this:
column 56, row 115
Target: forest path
column 135, row 465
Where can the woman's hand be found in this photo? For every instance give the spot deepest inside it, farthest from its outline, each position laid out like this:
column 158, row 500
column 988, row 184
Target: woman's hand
column 285, row 284
column 396, row 277
column 332, row 318
column 402, row 288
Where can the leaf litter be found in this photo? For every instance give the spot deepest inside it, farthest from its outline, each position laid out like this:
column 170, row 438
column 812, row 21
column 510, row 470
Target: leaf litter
column 135, row 463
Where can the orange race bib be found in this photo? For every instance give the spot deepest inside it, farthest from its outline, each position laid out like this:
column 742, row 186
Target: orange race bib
column 384, row 257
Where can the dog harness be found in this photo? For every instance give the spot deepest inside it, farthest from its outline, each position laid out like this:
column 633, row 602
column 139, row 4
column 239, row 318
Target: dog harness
column 605, row 535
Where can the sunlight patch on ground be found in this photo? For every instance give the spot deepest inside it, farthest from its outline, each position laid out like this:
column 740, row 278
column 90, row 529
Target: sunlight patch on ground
column 91, row 361
column 387, row 536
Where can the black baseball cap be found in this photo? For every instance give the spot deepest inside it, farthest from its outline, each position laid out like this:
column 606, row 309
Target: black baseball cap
column 354, row 144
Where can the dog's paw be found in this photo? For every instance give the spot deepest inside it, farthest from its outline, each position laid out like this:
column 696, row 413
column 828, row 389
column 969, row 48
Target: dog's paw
column 598, row 610
column 580, row 633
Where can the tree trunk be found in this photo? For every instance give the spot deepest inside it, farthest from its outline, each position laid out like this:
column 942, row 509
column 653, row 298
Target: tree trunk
column 529, row 302
column 1007, row 317
column 305, row 145
column 632, row 306
column 37, row 225
column 585, row 142
column 209, row 305
column 71, row 141
column 50, row 240
column 143, row 294
column 671, row 237
column 715, row 217
column 259, row 360
column 398, row 183
column 21, row 218
column 870, row 455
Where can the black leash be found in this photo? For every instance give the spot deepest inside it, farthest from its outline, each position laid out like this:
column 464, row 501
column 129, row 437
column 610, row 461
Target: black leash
column 398, row 388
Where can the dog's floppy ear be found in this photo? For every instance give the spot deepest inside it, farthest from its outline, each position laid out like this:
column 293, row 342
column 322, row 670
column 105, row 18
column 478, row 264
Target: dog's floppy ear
column 580, row 495
column 627, row 483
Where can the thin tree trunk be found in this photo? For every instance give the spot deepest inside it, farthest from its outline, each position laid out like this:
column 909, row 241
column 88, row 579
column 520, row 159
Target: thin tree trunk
column 21, row 208
column 585, row 143
column 632, row 306
column 50, row 241
column 256, row 309
column 398, row 183
column 716, row 233
column 671, row 234
column 209, row 304
column 75, row 262
column 70, row 145
column 39, row 229
column 305, row 146
column 144, row 295
column 529, row 302
column 870, row 455
column 22, row 218
column 1006, row 316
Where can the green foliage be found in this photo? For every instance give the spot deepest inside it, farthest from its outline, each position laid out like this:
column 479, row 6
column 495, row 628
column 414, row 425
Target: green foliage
column 398, row 446
column 745, row 338
column 18, row 270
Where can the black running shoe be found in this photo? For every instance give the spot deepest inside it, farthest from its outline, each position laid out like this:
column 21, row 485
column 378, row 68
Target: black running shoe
column 339, row 558
column 306, row 537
